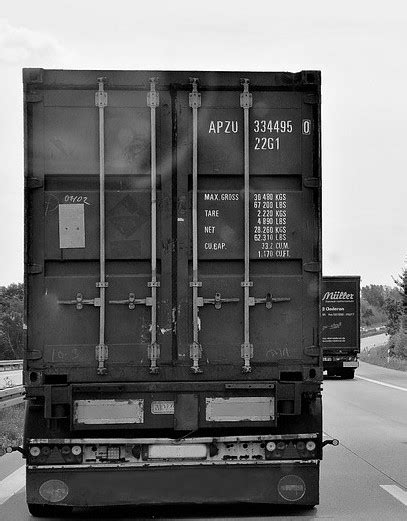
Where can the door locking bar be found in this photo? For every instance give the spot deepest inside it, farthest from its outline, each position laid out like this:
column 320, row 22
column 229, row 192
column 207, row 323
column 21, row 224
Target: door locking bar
column 80, row 301
column 246, row 102
column 153, row 101
column 101, row 351
column 132, row 301
column 195, row 348
column 268, row 300
column 217, row 301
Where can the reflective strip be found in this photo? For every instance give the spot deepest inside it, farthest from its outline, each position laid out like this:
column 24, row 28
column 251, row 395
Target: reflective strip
column 124, row 466
column 143, row 441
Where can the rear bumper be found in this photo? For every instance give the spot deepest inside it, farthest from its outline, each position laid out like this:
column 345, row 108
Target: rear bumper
column 177, row 485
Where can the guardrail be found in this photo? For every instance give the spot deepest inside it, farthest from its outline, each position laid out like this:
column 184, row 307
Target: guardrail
column 12, row 396
column 10, row 365
column 11, row 378
column 11, row 374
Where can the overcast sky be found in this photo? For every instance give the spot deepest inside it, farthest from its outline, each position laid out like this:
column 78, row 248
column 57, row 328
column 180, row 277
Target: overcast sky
column 360, row 47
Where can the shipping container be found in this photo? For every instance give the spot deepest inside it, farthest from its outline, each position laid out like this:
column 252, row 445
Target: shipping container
column 340, row 312
column 173, row 273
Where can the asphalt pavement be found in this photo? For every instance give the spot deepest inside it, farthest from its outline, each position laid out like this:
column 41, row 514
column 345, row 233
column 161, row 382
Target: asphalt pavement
column 364, row 478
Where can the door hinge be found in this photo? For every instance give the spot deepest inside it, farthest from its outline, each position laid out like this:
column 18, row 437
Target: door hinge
column 312, row 350
column 311, row 99
column 33, row 269
column 34, row 97
column 313, row 267
column 312, row 182
column 35, row 354
column 33, row 182
column 33, row 75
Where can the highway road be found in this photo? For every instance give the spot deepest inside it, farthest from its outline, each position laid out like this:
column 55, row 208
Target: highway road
column 364, row 478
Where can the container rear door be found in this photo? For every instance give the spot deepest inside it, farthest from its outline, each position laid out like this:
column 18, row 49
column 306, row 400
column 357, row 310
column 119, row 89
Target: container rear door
column 64, row 224
column 283, row 237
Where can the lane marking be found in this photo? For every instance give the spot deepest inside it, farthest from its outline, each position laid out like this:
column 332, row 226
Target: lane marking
column 396, row 492
column 12, row 484
column 382, row 383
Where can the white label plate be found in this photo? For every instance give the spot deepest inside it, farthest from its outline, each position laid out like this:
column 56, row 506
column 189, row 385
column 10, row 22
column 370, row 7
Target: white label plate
column 101, row 412
column 71, row 225
column 190, row 451
column 245, row 408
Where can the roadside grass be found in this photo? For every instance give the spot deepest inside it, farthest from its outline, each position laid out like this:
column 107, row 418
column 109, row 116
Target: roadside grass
column 11, row 426
column 378, row 356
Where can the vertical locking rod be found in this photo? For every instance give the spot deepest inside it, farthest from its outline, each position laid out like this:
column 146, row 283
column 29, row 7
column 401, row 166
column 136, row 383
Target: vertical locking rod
column 101, row 348
column 246, row 102
column 195, row 348
column 153, row 101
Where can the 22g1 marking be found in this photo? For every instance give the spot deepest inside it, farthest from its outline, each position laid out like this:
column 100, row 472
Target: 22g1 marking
column 267, row 143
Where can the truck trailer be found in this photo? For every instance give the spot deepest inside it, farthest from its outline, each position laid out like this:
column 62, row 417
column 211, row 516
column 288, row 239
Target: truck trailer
column 340, row 312
column 173, row 275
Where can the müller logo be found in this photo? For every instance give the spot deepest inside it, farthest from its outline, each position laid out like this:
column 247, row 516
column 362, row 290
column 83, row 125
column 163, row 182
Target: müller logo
column 337, row 295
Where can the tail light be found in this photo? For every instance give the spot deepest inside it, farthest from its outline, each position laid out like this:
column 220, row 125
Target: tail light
column 271, row 446
column 55, row 454
column 35, row 451
column 311, row 446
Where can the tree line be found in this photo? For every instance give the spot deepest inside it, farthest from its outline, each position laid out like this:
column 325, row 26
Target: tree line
column 383, row 305
column 11, row 321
